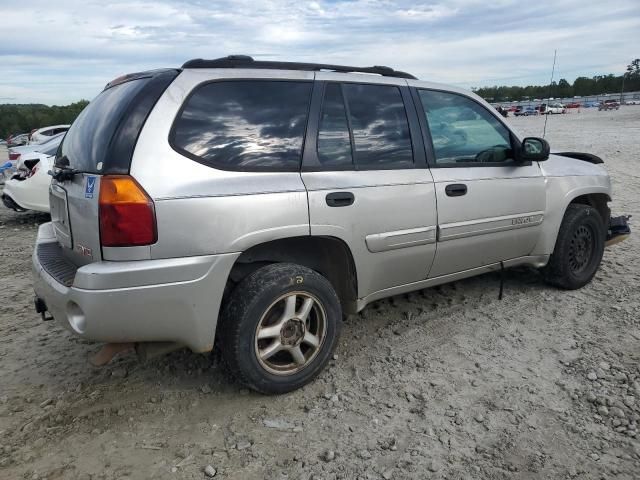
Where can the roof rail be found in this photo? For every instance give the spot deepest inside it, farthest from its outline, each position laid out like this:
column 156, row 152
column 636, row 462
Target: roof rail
column 244, row 61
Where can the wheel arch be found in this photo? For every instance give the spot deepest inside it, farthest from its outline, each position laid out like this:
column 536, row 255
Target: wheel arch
column 597, row 200
column 329, row 256
column 596, row 196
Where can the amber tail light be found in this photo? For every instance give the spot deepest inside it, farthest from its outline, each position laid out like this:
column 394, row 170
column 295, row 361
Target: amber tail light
column 127, row 213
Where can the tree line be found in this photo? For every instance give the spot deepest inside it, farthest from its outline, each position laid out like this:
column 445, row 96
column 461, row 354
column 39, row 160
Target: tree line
column 17, row 118
column 581, row 86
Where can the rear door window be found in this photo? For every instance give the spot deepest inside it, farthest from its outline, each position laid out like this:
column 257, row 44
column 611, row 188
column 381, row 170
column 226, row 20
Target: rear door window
column 379, row 126
column 245, row 124
column 334, row 143
column 368, row 132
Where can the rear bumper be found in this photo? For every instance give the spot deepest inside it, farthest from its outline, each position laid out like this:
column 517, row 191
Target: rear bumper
column 172, row 300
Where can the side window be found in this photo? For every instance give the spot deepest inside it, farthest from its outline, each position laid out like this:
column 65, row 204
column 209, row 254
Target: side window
column 245, row 125
column 463, row 131
column 334, row 144
column 379, row 126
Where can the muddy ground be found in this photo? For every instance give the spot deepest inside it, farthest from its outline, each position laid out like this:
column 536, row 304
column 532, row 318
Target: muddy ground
column 447, row 382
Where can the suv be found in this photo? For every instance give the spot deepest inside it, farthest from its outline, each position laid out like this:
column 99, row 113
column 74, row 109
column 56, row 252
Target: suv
column 608, row 105
column 553, row 108
column 256, row 203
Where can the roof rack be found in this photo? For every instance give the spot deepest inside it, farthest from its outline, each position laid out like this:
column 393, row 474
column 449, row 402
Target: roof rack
column 244, row 61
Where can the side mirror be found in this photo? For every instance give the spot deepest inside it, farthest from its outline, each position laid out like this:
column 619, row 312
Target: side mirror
column 534, row 149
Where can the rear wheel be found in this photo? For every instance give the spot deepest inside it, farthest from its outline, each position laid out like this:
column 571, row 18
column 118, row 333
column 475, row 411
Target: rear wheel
column 578, row 250
column 280, row 327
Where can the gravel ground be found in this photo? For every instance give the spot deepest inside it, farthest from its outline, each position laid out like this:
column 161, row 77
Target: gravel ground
column 447, row 382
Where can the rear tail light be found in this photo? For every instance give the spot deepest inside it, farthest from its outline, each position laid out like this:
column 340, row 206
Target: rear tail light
column 127, row 214
column 14, row 156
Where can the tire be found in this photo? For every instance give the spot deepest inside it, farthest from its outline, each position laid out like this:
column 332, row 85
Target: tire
column 578, row 250
column 261, row 305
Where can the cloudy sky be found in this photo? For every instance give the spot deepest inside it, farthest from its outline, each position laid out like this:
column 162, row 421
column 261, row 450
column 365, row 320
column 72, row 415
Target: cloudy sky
column 59, row 52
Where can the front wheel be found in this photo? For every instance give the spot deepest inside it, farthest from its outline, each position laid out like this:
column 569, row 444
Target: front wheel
column 280, row 327
column 578, row 250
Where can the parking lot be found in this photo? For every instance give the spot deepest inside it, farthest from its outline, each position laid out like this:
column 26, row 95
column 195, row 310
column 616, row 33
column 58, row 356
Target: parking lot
column 448, row 382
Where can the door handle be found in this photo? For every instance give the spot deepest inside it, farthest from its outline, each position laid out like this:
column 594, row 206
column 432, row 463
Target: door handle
column 340, row 199
column 456, row 190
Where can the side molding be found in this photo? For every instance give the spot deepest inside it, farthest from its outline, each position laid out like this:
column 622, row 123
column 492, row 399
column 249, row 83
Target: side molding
column 381, row 242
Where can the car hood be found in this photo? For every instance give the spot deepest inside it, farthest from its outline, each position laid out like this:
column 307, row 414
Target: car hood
column 561, row 166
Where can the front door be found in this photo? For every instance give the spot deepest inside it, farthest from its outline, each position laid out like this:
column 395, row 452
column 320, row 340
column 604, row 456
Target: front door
column 490, row 207
column 367, row 179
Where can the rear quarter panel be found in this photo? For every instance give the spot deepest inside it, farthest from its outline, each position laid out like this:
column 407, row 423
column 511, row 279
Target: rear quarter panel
column 201, row 210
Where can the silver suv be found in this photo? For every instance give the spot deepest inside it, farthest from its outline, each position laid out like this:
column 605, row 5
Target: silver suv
column 253, row 204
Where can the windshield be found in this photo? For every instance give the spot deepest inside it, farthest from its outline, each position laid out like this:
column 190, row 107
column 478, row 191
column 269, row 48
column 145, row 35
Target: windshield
column 54, row 139
column 51, row 149
column 87, row 141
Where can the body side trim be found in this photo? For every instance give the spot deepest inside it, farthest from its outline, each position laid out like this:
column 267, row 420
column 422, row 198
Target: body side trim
column 483, row 226
column 381, row 242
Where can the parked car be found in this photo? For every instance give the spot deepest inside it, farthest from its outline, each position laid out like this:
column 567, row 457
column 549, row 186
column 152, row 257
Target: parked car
column 632, row 102
column 525, row 112
column 43, row 134
column 53, row 141
column 28, row 188
column 18, row 139
column 572, row 105
column 608, row 105
column 250, row 204
column 590, row 104
column 502, row 111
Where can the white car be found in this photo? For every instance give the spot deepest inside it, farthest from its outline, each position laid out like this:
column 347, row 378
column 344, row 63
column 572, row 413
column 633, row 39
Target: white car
column 554, row 108
column 43, row 134
column 54, row 140
column 18, row 154
column 28, row 188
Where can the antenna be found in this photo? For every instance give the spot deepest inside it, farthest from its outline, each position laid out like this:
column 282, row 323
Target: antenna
column 553, row 70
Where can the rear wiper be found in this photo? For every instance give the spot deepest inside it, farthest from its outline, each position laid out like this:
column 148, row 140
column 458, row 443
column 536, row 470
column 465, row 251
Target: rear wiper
column 62, row 174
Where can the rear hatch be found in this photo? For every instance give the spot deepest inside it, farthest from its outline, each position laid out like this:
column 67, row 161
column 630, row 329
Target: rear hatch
column 100, row 142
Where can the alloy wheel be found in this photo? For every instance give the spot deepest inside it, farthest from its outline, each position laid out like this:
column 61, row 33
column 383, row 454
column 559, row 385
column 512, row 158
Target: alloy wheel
column 290, row 333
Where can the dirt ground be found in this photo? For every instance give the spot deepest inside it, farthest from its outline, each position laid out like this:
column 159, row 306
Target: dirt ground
column 448, row 382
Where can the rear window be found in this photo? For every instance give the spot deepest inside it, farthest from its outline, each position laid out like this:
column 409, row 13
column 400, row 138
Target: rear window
column 87, row 141
column 254, row 125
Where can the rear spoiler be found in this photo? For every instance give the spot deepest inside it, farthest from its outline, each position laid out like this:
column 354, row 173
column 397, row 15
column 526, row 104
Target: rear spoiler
column 137, row 75
column 586, row 157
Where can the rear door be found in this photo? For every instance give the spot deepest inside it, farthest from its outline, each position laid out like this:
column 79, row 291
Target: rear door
column 367, row 179
column 490, row 208
column 100, row 141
